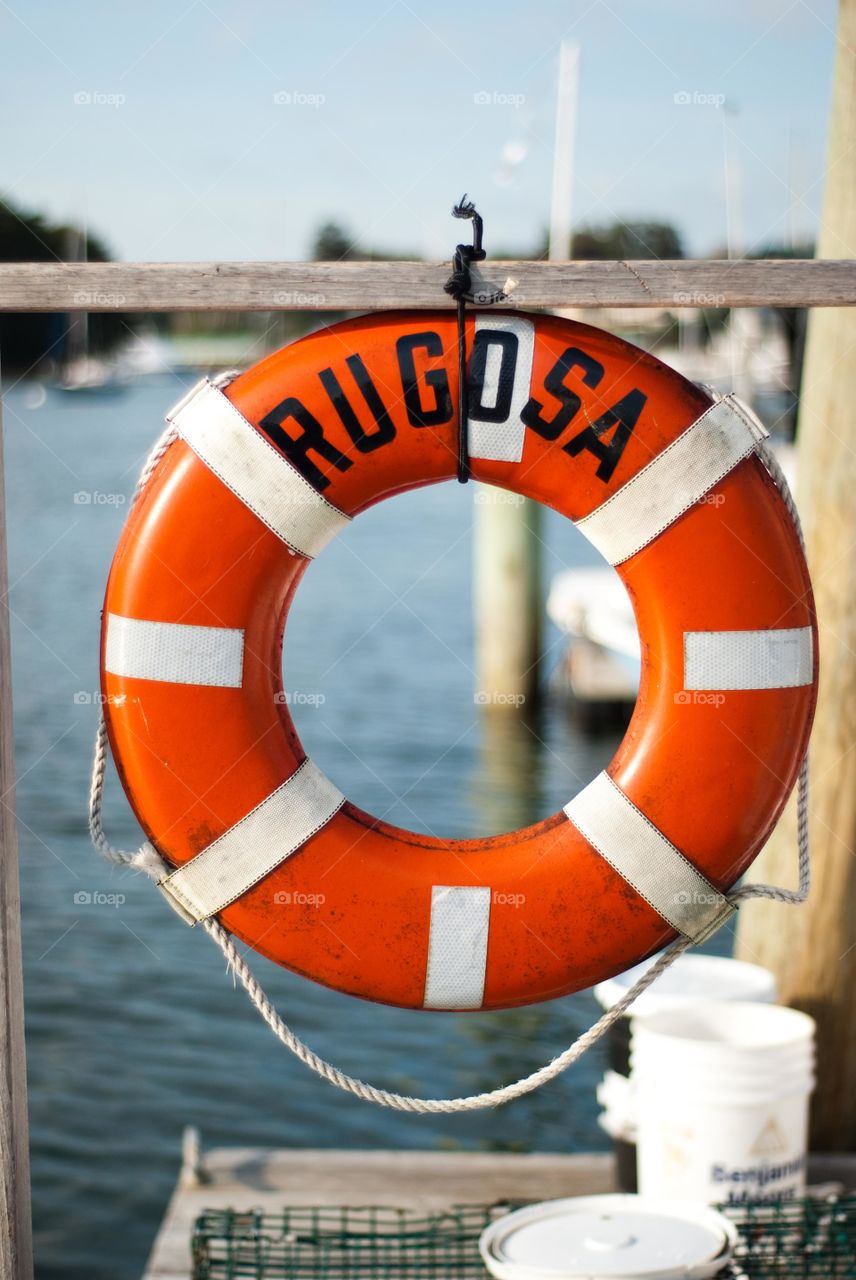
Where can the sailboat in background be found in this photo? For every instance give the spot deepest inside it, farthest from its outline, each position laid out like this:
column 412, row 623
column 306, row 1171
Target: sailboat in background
column 79, row 370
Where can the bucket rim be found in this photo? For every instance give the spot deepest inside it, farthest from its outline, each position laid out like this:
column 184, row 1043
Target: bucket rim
column 672, row 1027
column 660, row 994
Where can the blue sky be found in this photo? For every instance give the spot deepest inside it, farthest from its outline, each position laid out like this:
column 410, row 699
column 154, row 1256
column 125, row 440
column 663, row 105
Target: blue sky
column 160, row 124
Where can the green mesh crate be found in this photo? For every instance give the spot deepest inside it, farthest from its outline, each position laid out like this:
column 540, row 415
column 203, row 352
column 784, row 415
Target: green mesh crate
column 798, row 1239
column 812, row 1239
column 351, row 1243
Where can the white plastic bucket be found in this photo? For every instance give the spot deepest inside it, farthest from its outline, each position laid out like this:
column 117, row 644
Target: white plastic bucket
column 691, row 978
column 721, row 1092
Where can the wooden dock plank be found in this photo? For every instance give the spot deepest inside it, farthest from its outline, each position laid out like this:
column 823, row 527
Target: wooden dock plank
column 427, row 1180
column 266, row 1179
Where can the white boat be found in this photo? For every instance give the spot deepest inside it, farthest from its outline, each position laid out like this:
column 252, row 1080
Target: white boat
column 600, row 668
column 91, row 374
column 590, row 605
column 78, row 369
column 146, row 354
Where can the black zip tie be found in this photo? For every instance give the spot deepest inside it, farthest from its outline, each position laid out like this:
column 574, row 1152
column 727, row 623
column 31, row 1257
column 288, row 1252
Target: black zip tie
column 460, row 286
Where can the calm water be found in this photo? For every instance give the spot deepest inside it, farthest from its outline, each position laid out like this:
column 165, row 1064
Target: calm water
column 133, row 1028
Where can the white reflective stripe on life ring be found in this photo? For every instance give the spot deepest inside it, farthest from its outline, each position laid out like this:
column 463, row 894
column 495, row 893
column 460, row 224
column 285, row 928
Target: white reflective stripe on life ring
column 642, row 855
column 255, row 471
column 174, row 652
column 776, row 658
column 224, row 870
column 674, row 481
column 457, row 947
column 489, row 436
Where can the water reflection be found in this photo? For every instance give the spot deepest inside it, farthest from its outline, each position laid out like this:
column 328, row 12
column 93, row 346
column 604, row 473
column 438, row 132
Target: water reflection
column 505, row 789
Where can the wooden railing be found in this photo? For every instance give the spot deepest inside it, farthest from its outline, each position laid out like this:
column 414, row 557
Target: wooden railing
column 364, row 286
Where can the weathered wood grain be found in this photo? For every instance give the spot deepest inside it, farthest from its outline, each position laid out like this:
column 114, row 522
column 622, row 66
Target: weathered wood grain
column 812, row 949
column 16, row 1258
column 366, row 286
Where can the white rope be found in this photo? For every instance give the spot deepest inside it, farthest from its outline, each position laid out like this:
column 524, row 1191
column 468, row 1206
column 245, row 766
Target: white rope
column 99, row 760
column 148, row 860
column 434, row 1106
column 160, row 448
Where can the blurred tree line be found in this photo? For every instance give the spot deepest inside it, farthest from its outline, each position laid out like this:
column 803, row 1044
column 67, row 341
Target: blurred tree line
column 29, row 338
column 334, row 243
column 619, row 240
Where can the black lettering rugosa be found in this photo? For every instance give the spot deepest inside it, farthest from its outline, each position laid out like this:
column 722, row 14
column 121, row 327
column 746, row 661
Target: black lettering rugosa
column 569, row 401
column 310, row 440
column 428, row 402
column 623, row 416
column 364, row 440
column 420, row 414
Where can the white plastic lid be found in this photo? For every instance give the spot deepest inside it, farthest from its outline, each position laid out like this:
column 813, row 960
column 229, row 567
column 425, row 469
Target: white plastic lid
column 612, row 1237
column 691, row 978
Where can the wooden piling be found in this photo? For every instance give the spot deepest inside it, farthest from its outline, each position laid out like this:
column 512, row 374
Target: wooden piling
column 812, row 949
column 506, row 596
column 507, row 538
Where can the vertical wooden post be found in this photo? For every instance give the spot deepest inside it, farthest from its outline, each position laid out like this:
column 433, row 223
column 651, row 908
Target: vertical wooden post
column 507, row 593
column 16, row 1248
column 812, row 949
column 507, row 540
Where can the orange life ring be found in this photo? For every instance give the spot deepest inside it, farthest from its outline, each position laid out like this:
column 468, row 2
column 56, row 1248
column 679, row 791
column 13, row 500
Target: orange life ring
column 267, row 467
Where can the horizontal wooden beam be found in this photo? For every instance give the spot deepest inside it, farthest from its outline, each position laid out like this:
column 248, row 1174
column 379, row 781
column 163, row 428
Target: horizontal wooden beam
column 366, row 286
